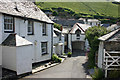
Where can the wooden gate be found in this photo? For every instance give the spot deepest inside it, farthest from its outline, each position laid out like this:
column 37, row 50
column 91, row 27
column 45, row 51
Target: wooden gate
column 111, row 61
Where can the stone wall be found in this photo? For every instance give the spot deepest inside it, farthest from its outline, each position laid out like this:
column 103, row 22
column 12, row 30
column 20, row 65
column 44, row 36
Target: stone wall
column 112, row 46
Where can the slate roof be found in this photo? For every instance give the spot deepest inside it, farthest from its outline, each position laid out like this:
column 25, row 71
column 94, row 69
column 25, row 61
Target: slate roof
column 68, row 23
column 24, row 9
column 112, row 36
column 82, row 27
column 66, row 30
column 113, row 27
column 15, row 40
column 105, row 25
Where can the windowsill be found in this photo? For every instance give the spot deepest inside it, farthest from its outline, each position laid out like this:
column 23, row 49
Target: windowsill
column 44, row 35
column 45, row 54
column 30, row 34
column 8, row 31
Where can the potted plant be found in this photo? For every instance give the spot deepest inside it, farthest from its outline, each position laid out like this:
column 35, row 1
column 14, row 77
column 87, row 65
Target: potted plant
column 69, row 54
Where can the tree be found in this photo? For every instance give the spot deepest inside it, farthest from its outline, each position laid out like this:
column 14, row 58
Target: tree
column 92, row 34
column 58, row 26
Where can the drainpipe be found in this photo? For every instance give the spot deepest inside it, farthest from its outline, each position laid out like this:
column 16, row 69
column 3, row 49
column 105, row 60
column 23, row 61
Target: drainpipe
column 71, row 42
column 51, row 40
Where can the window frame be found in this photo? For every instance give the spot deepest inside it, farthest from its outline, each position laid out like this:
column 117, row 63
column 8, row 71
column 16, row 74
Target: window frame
column 44, row 29
column 77, row 37
column 8, row 18
column 78, row 32
column 91, row 23
column 30, row 25
column 45, row 47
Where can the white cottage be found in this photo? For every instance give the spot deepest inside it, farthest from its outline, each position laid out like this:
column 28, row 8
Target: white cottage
column 58, row 42
column 75, row 37
column 28, row 22
column 91, row 22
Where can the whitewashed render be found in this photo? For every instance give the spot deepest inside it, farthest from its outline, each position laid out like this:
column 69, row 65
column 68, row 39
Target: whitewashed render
column 73, row 35
column 21, row 29
column 18, row 55
column 58, row 42
column 20, row 58
column 0, row 41
column 93, row 22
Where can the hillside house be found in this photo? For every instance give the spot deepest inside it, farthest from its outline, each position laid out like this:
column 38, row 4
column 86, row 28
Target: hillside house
column 75, row 37
column 58, row 42
column 68, row 22
column 91, row 22
column 109, row 51
column 27, row 36
column 114, row 26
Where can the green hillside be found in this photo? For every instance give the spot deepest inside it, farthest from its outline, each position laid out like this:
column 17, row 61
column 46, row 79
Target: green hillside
column 106, row 8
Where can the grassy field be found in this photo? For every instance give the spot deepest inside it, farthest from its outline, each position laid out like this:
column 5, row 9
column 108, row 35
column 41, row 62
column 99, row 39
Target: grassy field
column 106, row 8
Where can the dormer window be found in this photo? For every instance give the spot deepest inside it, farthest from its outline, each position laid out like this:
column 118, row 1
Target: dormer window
column 30, row 28
column 8, row 24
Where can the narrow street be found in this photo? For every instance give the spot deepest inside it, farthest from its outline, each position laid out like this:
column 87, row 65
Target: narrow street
column 73, row 67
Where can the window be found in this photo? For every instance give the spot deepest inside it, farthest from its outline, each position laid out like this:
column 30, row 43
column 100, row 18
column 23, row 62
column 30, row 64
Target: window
column 77, row 36
column 78, row 32
column 30, row 28
column 90, row 23
column 44, row 48
column 8, row 24
column 44, row 29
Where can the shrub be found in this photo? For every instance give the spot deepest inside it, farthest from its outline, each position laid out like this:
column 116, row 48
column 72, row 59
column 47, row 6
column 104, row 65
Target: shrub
column 92, row 35
column 58, row 26
column 69, row 54
column 55, row 13
column 98, row 74
column 55, row 58
column 114, row 74
column 64, row 54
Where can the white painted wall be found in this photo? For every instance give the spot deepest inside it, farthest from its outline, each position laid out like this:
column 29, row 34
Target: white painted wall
column 74, row 38
column 0, row 39
column 24, row 59
column 58, row 47
column 0, row 55
column 82, row 37
column 9, row 58
column 21, row 30
column 18, row 59
column 100, row 54
column 94, row 23
column 55, row 40
column 54, row 49
column 87, row 44
column 69, row 42
column 63, row 41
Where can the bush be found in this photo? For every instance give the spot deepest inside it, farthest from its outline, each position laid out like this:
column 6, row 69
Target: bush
column 92, row 35
column 98, row 74
column 69, row 54
column 114, row 74
column 55, row 58
column 55, row 13
column 58, row 26
column 64, row 54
